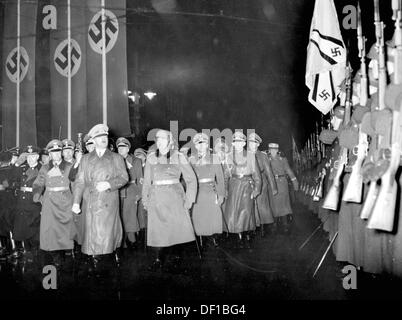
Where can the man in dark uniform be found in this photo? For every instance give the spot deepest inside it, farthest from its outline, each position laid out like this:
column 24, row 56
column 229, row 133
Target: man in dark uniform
column 7, row 202
column 281, row 201
column 129, row 194
column 27, row 212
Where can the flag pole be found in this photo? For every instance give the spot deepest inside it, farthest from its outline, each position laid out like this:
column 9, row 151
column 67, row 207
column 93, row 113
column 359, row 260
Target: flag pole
column 69, row 70
column 17, row 136
column 104, row 84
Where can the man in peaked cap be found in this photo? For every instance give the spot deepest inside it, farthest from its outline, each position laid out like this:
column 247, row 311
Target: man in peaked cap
column 281, row 201
column 26, row 220
column 130, row 194
column 207, row 212
column 89, row 143
column 263, row 211
column 244, row 187
column 52, row 188
column 100, row 176
column 68, row 150
column 141, row 154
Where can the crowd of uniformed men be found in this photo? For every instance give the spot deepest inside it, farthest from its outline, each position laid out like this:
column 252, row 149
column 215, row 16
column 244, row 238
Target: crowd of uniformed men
column 85, row 199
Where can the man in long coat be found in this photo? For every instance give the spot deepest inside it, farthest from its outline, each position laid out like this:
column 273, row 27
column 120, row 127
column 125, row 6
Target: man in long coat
column 281, row 201
column 27, row 212
column 263, row 211
column 100, row 176
column 52, row 188
column 244, row 187
column 129, row 194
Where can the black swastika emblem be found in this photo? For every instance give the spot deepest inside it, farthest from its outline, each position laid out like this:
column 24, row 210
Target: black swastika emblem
column 12, row 64
column 61, row 57
column 95, row 31
column 324, row 95
column 336, row 52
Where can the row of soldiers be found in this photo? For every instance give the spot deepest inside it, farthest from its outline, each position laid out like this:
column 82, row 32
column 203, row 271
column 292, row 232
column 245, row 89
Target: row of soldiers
column 97, row 201
column 355, row 189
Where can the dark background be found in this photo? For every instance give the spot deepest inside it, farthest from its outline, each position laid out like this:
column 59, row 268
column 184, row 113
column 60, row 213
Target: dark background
column 224, row 64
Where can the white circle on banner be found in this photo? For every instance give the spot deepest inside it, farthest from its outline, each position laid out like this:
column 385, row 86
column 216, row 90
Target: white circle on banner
column 11, row 64
column 61, row 54
column 95, row 31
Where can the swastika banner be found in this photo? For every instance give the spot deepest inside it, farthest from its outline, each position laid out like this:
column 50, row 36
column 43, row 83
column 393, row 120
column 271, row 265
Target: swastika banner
column 326, row 57
column 59, row 69
column 116, row 65
column 27, row 115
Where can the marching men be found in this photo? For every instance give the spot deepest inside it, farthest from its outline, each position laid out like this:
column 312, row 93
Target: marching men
column 207, row 212
column 244, row 187
column 169, row 222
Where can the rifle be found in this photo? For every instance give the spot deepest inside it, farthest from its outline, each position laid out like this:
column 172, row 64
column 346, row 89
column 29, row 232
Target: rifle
column 331, row 201
column 361, row 44
column 383, row 215
column 373, row 154
column 320, row 189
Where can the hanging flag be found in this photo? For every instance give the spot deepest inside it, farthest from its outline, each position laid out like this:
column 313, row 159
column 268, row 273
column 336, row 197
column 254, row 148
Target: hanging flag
column 64, row 98
column 19, row 91
column 107, row 82
column 326, row 57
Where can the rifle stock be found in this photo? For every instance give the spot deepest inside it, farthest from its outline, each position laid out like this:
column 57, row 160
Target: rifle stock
column 371, row 198
column 331, row 201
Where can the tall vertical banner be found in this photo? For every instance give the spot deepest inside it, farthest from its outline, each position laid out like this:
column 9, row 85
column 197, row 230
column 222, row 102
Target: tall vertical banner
column 18, row 98
column 113, row 73
column 68, row 36
column 326, row 57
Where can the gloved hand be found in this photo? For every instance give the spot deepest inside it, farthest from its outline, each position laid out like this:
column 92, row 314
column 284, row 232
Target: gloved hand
column 254, row 194
column 76, row 208
column 221, row 199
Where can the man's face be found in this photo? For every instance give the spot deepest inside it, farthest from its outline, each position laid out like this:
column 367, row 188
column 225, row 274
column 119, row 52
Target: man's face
column 253, row 146
column 90, row 147
column 101, row 142
column 273, row 152
column 239, row 145
column 123, row 151
column 45, row 158
column 32, row 160
column 162, row 142
column 68, row 154
column 55, row 155
column 202, row 147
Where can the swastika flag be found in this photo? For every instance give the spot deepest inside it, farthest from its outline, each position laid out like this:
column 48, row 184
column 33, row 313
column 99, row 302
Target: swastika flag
column 326, row 57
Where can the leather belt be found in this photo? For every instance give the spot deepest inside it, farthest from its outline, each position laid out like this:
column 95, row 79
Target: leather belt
column 242, row 176
column 279, row 176
column 206, row 180
column 165, row 182
column 2, row 188
column 26, row 189
column 57, row 189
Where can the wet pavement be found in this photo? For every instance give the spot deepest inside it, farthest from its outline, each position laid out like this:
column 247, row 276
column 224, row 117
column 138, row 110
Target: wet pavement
column 273, row 268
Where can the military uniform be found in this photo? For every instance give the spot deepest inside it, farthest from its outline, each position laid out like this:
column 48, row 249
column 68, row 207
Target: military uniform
column 52, row 189
column 103, row 229
column 207, row 212
column 244, row 186
column 129, row 194
column 163, row 196
column 27, row 212
column 282, row 170
column 263, row 210
column 141, row 212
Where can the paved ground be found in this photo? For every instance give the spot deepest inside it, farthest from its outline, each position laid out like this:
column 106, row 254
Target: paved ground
column 273, row 268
